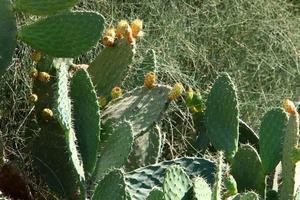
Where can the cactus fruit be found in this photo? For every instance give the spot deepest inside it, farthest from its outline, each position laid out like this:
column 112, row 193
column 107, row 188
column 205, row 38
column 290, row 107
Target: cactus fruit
column 36, row 56
column 290, row 153
column 176, row 91
column 47, row 114
column 176, row 183
column 271, row 134
column 102, row 101
column 44, row 7
column 112, row 187
column 189, row 96
column 109, row 37
column 246, row 168
column 137, row 26
column 33, row 73
column 116, row 92
column 230, row 185
column 128, row 35
column 201, row 189
column 140, row 181
column 85, row 109
column 222, row 116
column 48, row 34
column 7, row 35
column 150, row 80
column 33, row 98
column 44, row 77
column 121, row 28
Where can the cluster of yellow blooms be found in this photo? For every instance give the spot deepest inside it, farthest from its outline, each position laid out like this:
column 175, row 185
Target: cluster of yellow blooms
column 123, row 30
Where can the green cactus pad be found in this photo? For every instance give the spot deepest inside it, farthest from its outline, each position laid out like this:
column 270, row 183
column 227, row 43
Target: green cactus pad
column 54, row 150
column 63, row 101
column 8, row 31
column 201, row 189
column 247, row 170
column 43, row 7
column 247, row 196
column 176, row 183
column 222, row 116
column 230, row 186
column 146, row 150
column 156, row 194
column 247, row 135
column 112, row 187
column 273, row 195
column 86, row 115
column 271, row 134
column 65, row 35
column 116, row 150
column 109, row 67
column 140, row 181
column 142, row 107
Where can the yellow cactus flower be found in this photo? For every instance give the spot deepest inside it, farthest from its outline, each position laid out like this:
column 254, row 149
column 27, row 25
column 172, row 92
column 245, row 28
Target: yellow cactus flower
column 137, row 26
column 176, row 91
column 289, row 107
column 121, row 28
column 33, row 72
column 116, row 92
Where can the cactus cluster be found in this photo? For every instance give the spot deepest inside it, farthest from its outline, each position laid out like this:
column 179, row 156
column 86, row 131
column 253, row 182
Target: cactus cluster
column 97, row 140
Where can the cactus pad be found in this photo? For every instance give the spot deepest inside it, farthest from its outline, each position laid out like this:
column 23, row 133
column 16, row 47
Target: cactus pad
column 155, row 194
column 271, row 138
column 141, row 107
column 86, row 115
column 112, row 187
column 43, row 7
column 146, row 149
column 8, row 31
column 116, row 149
column 247, row 196
column 201, row 189
column 247, row 170
column 176, row 183
column 64, row 35
column 140, row 181
column 222, row 116
column 247, row 135
column 109, row 67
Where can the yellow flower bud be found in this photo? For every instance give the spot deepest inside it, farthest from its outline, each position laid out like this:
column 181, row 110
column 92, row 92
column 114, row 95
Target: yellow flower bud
column 116, row 92
column 44, row 77
column 289, row 107
column 136, row 26
column 33, row 98
column 47, row 114
column 176, row 91
column 150, row 80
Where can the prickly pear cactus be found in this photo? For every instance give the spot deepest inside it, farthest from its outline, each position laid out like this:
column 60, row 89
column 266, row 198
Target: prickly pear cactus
column 271, row 138
column 69, row 28
column 222, row 116
column 140, row 181
column 247, row 135
column 155, row 194
column 109, row 67
column 247, row 170
column 201, row 190
column 43, row 7
column 116, row 149
column 146, row 149
column 8, row 31
column 176, row 183
column 86, row 114
column 217, row 187
column 141, row 107
column 247, row 196
column 112, row 187
column 54, row 149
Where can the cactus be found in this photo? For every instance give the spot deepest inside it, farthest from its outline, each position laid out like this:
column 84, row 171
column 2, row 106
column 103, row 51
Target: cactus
column 7, row 35
column 140, row 181
column 247, row 135
column 247, row 170
column 155, row 194
column 247, row 196
column 230, row 186
column 85, row 110
column 69, row 28
column 201, row 190
column 54, row 150
column 112, row 186
column 43, row 7
column 217, row 187
column 109, row 67
column 141, row 103
column 146, row 149
column 290, row 154
column 271, row 138
column 116, row 149
column 222, row 116
column 176, row 183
